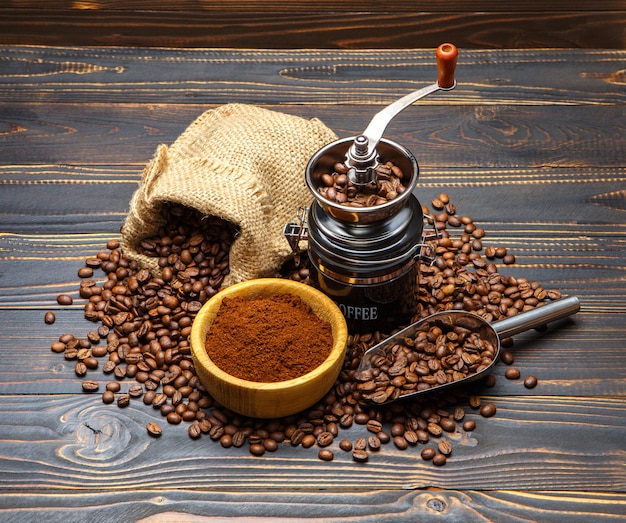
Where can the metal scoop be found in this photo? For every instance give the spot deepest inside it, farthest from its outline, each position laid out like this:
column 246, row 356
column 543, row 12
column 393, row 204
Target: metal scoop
column 444, row 350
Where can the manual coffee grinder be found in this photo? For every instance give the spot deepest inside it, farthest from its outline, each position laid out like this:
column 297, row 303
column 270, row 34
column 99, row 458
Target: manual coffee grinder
column 365, row 227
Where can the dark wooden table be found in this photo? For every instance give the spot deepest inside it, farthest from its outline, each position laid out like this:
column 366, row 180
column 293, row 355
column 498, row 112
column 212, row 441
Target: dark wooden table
column 532, row 145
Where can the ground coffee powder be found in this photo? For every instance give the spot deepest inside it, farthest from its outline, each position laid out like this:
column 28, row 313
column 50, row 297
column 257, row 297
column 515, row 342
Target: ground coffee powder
column 268, row 339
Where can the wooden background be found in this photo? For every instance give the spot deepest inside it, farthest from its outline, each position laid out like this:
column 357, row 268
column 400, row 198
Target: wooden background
column 531, row 144
column 348, row 24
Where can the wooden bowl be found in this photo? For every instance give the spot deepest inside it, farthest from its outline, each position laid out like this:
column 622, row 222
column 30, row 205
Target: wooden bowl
column 278, row 399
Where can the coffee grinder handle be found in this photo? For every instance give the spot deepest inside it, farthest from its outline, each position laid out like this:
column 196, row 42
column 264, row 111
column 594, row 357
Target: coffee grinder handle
column 446, row 56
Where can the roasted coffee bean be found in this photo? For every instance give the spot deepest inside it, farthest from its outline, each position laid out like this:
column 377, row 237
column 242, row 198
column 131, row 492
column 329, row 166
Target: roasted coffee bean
column 90, row 386
column 174, row 418
column 325, row 439
column 64, row 299
column 512, row 373
column 507, row 357
column 447, row 424
column 296, row 437
column 373, row 443
column 123, row 400
column 108, row 397
column 360, row 444
column 374, row 426
column 135, row 391
column 257, row 449
column 439, row 460
column 154, row 429
column 49, row 317
column 530, row 382
column 326, row 455
column 142, row 314
column 80, row 369
column 489, row 381
column 469, row 425
column 428, row 453
column 475, row 401
column 487, row 410
column 58, row 346
column 194, row 431
column 445, row 447
column 113, row 386
column 360, row 456
column 308, row 441
column 400, row 442
column 435, row 429
column 85, row 272
column 271, row 445
column 345, row 445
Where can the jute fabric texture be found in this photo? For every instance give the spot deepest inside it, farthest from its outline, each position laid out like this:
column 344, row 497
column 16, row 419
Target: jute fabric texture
column 238, row 162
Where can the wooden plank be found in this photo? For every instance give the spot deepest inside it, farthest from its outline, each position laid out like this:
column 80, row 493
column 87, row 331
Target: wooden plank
column 376, row 77
column 383, row 506
column 574, row 258
column 559, row 358
column 319, row 6
column 534, row 138
column 284, row 26
column 75, row 443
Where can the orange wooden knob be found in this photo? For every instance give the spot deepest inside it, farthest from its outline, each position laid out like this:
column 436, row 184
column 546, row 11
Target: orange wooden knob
column 446, row 63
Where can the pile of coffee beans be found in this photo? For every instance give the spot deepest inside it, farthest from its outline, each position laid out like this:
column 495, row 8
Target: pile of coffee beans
column 440, row 353
column 337, row 187
column 144, row 320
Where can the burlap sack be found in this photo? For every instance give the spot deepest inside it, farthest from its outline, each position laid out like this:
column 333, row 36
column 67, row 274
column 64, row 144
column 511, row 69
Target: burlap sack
column 241, row 163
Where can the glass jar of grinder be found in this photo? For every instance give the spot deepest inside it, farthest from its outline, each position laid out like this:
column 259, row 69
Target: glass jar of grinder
column 365, row 245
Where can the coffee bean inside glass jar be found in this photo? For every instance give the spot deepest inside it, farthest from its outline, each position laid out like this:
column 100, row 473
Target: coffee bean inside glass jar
column 337, row 188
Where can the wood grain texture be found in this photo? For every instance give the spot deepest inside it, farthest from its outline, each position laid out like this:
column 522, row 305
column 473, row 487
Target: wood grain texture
column 289, row 29
column 85, row 445
column 531, row 145
column 325, row 24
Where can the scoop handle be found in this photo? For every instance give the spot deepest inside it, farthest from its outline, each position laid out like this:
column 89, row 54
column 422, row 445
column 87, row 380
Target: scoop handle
column 537, row 317
column 447, row 55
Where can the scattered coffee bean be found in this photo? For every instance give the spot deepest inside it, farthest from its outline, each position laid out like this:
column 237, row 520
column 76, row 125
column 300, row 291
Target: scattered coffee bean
column 85, row 272
column 90, row 386
column 113, row 386
column 428, row 453
column 530, row 382
column 49, row 317
column 326, row 455
column 257, row 449
column 154, row 429
column 270, row 444
column 194, row 431
column 507, row 357
column 488, row 410
column 512, row 373
column 445, row 447
column 64, row 299
column 345, row 445
column 145, row 320
column 439, row 460
column 123, row 401
column 469, row 425
column 360, row 456
column 108, row 397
